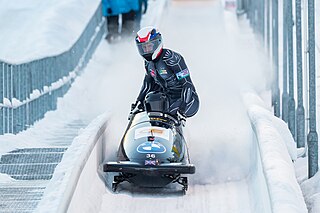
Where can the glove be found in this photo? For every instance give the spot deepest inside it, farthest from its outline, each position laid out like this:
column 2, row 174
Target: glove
column 136, row 105
column 109, row 10
column 182, row 118
column 133, row 105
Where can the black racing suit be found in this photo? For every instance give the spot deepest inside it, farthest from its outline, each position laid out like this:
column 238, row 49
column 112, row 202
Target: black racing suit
column 169, row 74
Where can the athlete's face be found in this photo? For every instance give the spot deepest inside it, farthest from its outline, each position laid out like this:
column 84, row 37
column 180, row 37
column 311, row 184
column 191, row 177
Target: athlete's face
column 147, row 47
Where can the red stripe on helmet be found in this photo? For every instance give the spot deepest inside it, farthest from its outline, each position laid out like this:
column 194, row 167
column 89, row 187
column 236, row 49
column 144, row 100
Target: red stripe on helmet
column 144, row 39
column 159, row 53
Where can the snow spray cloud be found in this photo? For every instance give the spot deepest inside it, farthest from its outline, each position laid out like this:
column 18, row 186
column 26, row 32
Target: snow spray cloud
column 116, row 79
column 224, row 62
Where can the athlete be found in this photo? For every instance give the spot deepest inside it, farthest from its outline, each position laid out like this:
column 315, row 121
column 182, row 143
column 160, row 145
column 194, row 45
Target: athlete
column 167, row 72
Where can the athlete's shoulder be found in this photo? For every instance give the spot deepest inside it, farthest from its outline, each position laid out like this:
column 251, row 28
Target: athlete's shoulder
column 171, row 57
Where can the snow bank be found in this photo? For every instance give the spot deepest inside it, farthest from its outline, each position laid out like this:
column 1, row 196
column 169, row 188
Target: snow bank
column 46, row 28
column 310, row 187
column 4, row 178
column 277, row 150
column 258, row 187
column 67, row 178
column 311, row 192
column 252, row 99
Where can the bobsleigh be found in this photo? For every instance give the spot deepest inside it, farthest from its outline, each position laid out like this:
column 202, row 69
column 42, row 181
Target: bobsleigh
column 153, row 151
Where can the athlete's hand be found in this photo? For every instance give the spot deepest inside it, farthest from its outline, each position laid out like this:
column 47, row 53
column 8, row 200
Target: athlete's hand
column 134, row 108
column 137, row 105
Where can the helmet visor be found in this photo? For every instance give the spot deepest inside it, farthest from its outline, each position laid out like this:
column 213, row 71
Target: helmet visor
column 148, row 47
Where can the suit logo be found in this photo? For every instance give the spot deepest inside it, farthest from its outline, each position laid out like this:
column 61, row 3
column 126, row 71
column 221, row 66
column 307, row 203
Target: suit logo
column 182, row 74
column 152, row 73
column 163, row 72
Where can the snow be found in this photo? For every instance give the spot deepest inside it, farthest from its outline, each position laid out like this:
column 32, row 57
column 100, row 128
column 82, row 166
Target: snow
column 37, row 93
column 275, row 143
column 36, row 29
column 221, row 146
column 4, row 179
column 16, row 102
column 67, row 173
column 311, row 189
column 6, row 102
column 234, row 172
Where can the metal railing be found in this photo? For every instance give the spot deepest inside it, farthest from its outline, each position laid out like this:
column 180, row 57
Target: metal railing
column 29, row 90
column 293, row 72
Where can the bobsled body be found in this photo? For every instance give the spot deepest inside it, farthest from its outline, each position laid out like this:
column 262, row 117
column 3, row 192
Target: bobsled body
column 152, row 152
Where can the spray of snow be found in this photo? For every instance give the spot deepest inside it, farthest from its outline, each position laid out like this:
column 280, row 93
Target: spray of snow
column 223, row 64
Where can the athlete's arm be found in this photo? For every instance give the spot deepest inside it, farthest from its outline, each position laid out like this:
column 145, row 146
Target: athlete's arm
column 177, row 64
